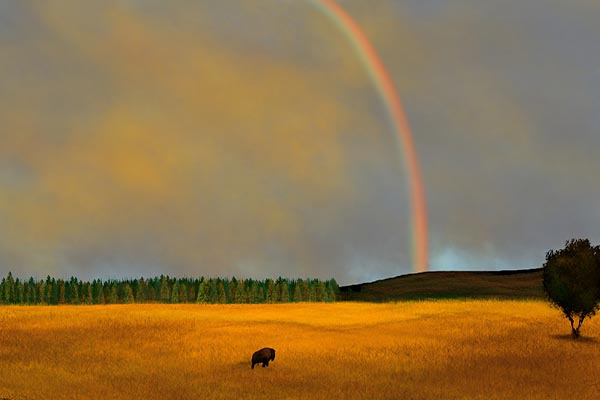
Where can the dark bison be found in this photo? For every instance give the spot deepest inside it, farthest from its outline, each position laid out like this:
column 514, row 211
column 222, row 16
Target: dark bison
column 263, row 356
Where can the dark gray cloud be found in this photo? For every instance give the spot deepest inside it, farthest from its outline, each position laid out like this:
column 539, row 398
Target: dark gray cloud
column 222, row 138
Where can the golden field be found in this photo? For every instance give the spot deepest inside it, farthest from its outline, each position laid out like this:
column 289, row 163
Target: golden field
column 408, row 350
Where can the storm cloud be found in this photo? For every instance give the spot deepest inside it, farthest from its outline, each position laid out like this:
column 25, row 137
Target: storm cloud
column 230, row 138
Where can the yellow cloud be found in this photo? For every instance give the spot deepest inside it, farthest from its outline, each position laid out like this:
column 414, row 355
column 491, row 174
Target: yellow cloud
column 206, row 150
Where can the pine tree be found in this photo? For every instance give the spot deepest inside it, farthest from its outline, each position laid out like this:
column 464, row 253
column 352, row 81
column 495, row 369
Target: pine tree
column 312, row 294
column 277, row 292
column 221, row 297
column 203, row 293
column 19, row 292
column 192, row 292
column 2, row 291
column 23, row 293
column 41, row 292
column 61, row 292
column 320, row 291
column 212, row 283
column 151, row 290
column 54, row 292
column 100, row 297
column 106, row 292
column 285, row 293
column 227, row 287
column 240, row 292
column 30, row 295
column 261, row 294
column 332, row 296
column 270, row 298
column 175, row 293
column 87, row 293
column 114, row 295
column 297, row 291
column 96, row 289
column 9, row 289
column 231, row 288
column 183, row 293
column 50, row 289
column 110, row 293
column 165, row 290
column 254, row 296
column 140, row 291
column 73, row 293
column 127, row 294
column 47, row 296
column 305, row 290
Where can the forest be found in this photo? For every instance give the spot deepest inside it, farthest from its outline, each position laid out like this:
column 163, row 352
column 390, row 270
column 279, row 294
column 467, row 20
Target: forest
column 165, row 289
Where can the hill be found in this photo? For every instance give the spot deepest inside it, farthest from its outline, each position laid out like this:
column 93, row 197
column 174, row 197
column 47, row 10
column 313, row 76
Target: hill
column 509, row 284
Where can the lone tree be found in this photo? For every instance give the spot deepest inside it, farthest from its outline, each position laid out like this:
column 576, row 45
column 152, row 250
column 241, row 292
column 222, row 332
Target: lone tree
column 571, row 279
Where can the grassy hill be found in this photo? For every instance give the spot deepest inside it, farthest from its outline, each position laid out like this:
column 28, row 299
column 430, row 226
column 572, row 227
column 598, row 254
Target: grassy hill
column 512, row 284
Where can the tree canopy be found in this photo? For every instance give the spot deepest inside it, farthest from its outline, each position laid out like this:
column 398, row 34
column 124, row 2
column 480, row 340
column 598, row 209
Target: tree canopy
column 571, row 279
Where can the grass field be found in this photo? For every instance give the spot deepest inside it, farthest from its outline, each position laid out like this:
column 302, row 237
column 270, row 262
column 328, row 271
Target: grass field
column 449, row 349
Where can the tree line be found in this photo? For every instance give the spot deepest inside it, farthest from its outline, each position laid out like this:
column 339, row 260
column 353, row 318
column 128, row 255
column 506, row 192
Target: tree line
column 165, row 289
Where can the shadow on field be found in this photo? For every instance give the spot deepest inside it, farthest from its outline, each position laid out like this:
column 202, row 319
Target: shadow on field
column 582, row 339
column 246, row 365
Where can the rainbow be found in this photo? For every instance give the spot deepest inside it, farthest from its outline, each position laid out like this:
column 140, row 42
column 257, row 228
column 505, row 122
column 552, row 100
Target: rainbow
column 385, row 87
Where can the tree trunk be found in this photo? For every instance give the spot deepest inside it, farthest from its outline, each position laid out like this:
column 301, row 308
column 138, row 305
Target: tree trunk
column 575, row 333
column 575, row 330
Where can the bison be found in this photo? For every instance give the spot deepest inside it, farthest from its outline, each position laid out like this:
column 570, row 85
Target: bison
column 263, row 356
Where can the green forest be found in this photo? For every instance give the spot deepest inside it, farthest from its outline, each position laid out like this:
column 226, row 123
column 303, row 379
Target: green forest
column 165, row 289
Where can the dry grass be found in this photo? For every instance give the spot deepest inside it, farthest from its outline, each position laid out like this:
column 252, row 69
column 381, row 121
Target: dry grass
column 413, row 350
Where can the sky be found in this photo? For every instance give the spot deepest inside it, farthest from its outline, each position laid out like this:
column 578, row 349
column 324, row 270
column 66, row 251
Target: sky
column 246, row 138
